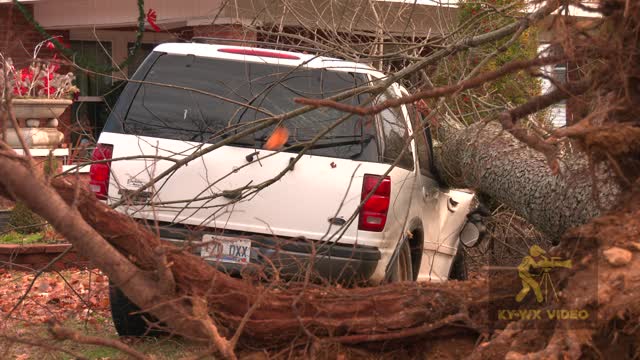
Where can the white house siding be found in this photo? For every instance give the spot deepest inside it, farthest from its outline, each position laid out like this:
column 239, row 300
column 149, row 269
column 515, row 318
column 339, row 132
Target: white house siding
column 558, row 112
column 68, row 14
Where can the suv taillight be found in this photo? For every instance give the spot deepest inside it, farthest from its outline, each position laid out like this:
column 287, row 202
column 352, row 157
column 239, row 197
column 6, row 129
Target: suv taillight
column 99, row 183
column 373, row 215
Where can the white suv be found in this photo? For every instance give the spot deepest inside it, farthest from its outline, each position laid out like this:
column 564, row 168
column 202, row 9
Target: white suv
column 341, row 205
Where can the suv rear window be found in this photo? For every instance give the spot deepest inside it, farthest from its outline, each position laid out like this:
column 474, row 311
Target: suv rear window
column 174, row 112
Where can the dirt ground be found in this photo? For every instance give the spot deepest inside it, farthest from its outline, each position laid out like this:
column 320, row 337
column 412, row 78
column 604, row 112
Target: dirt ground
column 77, row 299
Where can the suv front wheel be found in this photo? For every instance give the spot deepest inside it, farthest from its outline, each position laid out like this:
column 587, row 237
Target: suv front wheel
column 458, row 269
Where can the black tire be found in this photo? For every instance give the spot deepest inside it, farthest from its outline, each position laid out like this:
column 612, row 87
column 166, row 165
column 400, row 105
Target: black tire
column 458, row 269
column 402, row 270
column 125, row 317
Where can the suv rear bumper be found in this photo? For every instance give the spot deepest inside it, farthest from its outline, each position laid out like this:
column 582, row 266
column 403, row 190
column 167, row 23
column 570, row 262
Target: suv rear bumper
column 291, row 258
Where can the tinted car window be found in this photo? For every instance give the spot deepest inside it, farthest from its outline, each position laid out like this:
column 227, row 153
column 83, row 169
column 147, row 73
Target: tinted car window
column 396, row 136
column 186, row 110
column 422, row 144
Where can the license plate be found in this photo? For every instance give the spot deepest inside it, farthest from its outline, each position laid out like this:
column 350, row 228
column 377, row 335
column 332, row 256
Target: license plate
column 226, row 249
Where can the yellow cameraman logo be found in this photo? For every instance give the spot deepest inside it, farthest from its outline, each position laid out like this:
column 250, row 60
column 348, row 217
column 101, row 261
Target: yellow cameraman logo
column 541, row 266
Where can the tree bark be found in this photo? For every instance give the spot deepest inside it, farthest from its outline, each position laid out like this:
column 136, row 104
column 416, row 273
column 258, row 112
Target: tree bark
column 487, row 158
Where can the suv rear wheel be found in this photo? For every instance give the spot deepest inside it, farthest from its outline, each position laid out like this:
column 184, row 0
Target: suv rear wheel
column 402, row 270
column 126, row 316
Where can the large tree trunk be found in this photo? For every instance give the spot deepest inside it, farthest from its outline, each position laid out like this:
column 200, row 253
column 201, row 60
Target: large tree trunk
column 487, row 158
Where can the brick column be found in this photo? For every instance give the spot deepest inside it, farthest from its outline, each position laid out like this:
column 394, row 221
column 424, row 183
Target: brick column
column 18, row 37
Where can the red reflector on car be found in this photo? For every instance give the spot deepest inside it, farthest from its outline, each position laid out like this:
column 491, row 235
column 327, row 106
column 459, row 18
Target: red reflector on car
column 257, row 52
column 100, row 172
column 373, row 214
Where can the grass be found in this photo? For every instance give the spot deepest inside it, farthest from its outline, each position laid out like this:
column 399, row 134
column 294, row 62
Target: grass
column 14, row 237
column 159, row 348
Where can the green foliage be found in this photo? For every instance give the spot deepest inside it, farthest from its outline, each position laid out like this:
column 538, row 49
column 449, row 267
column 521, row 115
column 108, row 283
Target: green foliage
column 476, row 18
column 14, row 237
column 24, row 221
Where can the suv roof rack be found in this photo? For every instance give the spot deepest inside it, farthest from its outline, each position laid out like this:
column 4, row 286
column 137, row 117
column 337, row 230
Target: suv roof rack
column 274, row 46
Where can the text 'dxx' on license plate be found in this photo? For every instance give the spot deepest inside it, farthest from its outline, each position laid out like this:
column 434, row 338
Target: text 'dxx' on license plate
column 226, row 249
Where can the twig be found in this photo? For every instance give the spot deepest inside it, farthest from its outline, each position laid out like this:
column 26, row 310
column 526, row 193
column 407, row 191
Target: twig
column 234, row 340
column 40, row 271
column 64, row 279
column 501, row 49
column 165, row 276
column 477, row 81
column 403, row 333
column 201, row 312
column 21, row 340
column 61, row 333
column 508, row 119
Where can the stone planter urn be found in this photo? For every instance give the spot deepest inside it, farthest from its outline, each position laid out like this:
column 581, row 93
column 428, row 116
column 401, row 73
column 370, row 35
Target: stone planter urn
column 29, row 113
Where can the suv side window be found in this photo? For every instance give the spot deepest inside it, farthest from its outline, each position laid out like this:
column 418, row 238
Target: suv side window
column 396, row 135
column 422, row 144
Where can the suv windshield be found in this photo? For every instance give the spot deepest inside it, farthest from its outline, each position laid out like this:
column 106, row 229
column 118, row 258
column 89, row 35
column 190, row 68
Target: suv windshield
column 191, row 98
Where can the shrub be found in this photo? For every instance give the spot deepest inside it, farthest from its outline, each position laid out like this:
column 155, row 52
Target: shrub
column 487, row 101
column 24, row 221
